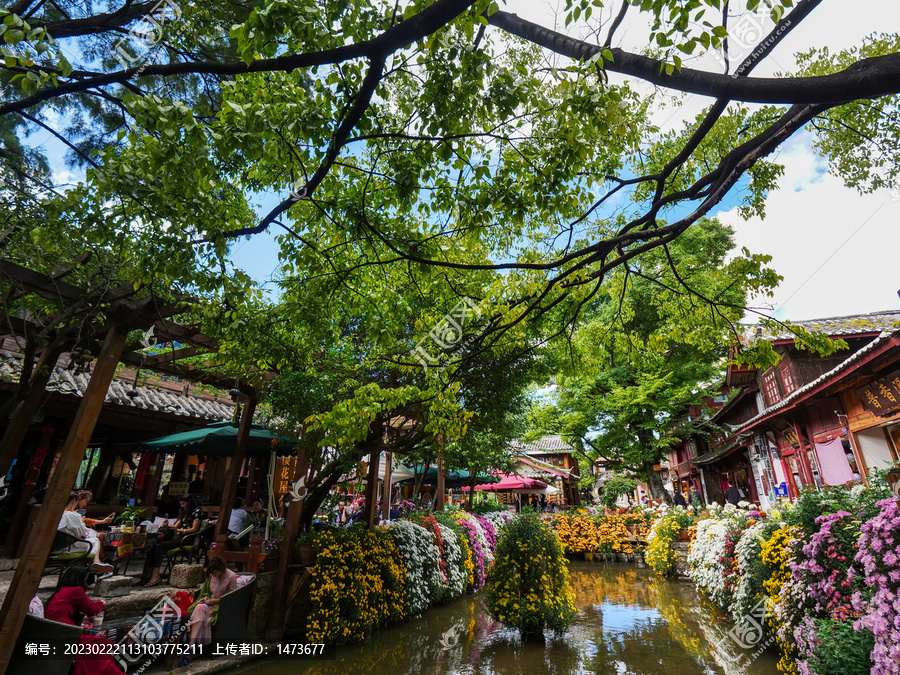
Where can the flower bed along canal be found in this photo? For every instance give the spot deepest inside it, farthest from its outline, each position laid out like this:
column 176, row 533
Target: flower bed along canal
column 628, row 622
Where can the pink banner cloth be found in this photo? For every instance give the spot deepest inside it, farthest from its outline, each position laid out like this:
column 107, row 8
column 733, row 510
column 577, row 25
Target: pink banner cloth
column 833, row 462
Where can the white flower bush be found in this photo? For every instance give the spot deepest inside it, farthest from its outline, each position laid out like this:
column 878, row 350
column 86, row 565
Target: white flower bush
column 747, row 550
column 422, row 558
column 706, row 570
column 498, row 519
column 455, row 568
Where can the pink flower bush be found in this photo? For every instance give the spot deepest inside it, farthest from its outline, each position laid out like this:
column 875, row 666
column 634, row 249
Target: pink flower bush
column 881, row 565
column 488, row 529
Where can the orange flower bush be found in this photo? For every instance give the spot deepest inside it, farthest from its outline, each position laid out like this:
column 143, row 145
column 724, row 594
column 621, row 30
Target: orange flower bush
column 578, row 533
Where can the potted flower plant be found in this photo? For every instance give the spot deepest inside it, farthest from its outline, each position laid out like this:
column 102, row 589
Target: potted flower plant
column 306, row 553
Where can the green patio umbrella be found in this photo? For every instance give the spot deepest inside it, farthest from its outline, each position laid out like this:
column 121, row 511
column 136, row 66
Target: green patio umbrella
column 219, row 440
column 451, row 478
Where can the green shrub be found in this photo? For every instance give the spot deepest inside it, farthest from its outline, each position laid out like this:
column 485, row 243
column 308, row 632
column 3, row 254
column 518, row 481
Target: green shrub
column 528, row 587
column 614, row 488
column 840, row 649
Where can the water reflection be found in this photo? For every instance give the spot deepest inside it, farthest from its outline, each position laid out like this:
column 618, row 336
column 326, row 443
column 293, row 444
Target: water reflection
column 628, row 623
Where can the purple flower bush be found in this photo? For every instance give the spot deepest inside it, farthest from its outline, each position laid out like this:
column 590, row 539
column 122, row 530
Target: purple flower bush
column 828, row 564
column 878, row 555
column 488, row 529
column 825, row 577
column 479, row 556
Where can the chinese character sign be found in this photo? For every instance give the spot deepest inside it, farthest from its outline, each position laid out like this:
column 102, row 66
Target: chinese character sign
column 881, row 397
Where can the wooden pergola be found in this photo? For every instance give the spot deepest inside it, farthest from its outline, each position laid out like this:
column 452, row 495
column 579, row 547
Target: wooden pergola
column 123, row 313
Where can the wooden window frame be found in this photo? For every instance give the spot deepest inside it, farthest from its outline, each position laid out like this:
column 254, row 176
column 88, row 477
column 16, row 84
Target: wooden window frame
column 770, row 387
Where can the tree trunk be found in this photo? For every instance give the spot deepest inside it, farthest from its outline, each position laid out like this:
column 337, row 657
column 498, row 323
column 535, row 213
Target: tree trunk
column 420, row 478
column 655, row 485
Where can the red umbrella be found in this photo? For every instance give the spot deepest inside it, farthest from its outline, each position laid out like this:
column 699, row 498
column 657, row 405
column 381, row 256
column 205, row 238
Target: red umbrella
column 511, row 482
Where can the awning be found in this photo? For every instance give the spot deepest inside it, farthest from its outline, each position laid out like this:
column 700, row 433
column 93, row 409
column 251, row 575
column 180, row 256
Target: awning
column 549, row 490
column 219, row 440
column 512, row 483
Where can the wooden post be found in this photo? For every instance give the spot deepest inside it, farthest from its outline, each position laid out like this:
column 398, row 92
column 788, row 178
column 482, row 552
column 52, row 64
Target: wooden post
column 229, row 491
column 153, row 480
column 793, row 490
column 278, row 613
column 805, row 469
column 254, row 556
column 439, row 489
column 372, row 488
column 36, row 550
column 386, row 490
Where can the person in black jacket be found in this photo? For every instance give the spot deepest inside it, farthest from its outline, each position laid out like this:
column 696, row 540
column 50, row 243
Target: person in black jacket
column 679, row 499
column 732, row 495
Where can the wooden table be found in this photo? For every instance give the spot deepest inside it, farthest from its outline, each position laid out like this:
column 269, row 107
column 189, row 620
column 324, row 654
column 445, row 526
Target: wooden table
column 125, row 544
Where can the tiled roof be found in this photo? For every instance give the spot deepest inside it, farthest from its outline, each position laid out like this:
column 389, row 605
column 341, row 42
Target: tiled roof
column 158, row 399
column 536, row 469
column 836, row 326
column 822, row 379
column 541, row 446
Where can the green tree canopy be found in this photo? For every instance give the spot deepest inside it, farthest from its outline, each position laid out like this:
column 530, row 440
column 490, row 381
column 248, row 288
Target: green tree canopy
column 451, row 135
column 655, row 342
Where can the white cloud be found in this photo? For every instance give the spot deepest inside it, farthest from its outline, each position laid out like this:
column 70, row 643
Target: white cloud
column 66, row 177
column 836, row 249
column 810, row 219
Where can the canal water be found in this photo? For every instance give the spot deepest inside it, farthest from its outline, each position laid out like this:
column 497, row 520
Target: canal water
column 629, row 622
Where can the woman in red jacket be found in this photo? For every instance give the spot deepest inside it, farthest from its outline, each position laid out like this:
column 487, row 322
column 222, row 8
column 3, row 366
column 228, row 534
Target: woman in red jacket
column 70, row 604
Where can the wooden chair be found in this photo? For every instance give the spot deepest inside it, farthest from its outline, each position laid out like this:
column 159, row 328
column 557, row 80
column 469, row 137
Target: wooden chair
column 237, row 539
column 192, row 547
column 67, row 551
column 234, row 614
column 36, row 631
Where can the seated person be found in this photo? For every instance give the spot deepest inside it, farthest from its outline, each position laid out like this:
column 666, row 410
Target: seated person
column 72, row 523
column 69, row 604
column 342, row 518
column 240, row 518
column 189, row 520
column 84, row 498
column 204, row 612
column 358, row 513
column 258, row 511
column 167, row 505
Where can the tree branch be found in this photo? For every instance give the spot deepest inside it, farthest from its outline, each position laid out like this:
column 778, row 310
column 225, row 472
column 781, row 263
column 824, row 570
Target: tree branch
column 867, row 78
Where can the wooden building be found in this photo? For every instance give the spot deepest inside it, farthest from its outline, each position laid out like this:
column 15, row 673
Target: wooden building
column 552, row 460
column 810, row 420
column 113, row 467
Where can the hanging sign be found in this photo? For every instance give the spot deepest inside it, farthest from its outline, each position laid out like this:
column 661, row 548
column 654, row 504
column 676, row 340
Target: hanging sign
column 881, row 397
